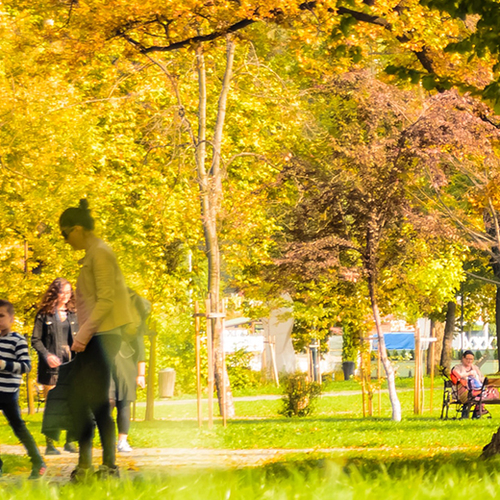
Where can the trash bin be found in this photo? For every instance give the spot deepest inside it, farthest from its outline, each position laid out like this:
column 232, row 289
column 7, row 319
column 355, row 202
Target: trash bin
column 166, row 382
column 348, row 369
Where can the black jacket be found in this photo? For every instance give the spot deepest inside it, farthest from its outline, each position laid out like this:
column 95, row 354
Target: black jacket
column 46, row 339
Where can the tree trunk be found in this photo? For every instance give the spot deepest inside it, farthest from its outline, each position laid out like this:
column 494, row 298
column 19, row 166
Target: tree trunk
column 492, row 226
column 497, row 322
column 211, row 195
column 437, row 331
column 389, row 369
column 493, row 447
column 449, row 331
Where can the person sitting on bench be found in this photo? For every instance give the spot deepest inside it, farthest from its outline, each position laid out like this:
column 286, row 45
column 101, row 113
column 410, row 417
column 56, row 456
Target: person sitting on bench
column 469, row 378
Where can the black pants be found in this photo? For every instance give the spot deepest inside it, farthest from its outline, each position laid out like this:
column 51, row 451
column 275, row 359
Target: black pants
column 89, row 397
column 9, row 404
column 123, row 416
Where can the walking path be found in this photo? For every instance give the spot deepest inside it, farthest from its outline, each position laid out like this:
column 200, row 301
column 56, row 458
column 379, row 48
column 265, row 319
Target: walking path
column 167, row 459
column 142, row 460
column 267, row 397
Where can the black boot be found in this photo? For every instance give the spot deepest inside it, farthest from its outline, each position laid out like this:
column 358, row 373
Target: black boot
column 51, row 449
column 70, row 447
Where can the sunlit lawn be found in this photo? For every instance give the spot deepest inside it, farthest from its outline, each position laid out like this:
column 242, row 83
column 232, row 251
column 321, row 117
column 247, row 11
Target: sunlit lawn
column 315, row 478
column 337, row 422
column 339, row 454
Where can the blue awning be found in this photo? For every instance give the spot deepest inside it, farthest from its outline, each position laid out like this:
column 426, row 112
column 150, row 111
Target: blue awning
column 397, row 341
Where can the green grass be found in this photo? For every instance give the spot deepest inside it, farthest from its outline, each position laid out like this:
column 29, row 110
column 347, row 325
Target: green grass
column 348, row 457
column 297, row 479
column 336, row 423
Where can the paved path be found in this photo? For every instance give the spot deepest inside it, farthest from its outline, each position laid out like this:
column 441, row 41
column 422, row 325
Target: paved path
column 167, row 459
column 265, row 397
column 142, row 460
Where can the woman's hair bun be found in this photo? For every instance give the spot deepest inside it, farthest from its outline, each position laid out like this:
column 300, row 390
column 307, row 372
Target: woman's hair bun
column 77, row 216
column 84, row 204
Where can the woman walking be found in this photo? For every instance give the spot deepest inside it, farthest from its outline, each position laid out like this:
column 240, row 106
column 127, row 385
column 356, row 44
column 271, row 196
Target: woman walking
column 104, row 311
column 55, row 325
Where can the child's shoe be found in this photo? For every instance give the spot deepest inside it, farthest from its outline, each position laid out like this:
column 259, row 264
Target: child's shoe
column 38, row 471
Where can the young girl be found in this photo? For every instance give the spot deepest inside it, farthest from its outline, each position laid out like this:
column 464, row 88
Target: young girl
column 55, row 325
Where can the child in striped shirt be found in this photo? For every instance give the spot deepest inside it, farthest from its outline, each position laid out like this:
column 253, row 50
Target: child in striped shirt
column 14, row 361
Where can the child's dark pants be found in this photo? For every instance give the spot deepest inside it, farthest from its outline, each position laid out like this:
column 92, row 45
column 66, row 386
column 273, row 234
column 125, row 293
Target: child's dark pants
column 9, row 404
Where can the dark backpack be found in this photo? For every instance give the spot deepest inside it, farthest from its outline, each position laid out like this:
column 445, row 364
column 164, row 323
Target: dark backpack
column 141, row 309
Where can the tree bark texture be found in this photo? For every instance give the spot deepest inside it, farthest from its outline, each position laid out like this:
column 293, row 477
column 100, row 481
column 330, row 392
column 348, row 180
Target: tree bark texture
column 449, row 331
column 386, row 363
column 493, row 447
column 437, row 331
column 491, row 224
column 497, row 322
column 210, row 184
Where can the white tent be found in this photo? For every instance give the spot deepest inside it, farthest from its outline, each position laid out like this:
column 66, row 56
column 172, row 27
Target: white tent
column 278, row 328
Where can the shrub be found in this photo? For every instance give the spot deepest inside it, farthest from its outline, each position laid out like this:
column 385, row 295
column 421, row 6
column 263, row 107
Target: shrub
column 478, row 355
column 299, row 395
column 350, row 341
column 326, row 378
column 240, row 374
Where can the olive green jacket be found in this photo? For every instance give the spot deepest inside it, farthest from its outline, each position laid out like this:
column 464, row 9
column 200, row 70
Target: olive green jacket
column 102, row 298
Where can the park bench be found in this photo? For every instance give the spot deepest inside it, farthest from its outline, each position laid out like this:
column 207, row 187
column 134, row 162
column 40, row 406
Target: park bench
column 455, row 394
column 490, row 382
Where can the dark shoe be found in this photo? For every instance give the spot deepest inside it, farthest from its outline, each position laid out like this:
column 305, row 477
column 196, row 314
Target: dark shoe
column 38, row 471
column 106, row 472
column 70, row 447
column 51, row 450
column 81, row 475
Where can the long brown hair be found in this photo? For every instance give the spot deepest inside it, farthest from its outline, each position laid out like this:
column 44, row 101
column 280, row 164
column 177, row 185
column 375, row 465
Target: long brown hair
column 49, row 300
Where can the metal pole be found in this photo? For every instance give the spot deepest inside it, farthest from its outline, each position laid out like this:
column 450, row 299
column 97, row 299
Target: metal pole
column 421, row 382
column 368, row 375
column 379, row 382
column 462, row 318
column 198, row 360
column 150, row 393
column 432, row 376
column 223, row 360
column 263, row 367
column 272, row 343
column 363, row 394
column 309, row 364
column 210, row 368
column 29, row 378
column 416, row 381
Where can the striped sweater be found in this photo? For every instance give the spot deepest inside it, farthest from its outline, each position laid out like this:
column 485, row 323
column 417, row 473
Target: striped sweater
column 14, row 351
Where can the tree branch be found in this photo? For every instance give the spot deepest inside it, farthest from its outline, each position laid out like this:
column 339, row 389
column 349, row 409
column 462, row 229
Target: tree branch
column 422, row 55
column 482, row 278
column 5, row 167
column 188, row 41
